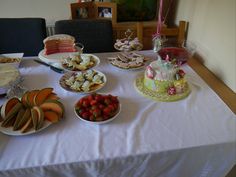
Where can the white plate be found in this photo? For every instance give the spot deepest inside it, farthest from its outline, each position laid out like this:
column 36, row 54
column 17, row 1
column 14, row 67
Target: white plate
column 97, row 61
column 53, row 58
column 62, row 82
column 9, row 131
column 129, row 69
column 100, row 122
column 12, row 55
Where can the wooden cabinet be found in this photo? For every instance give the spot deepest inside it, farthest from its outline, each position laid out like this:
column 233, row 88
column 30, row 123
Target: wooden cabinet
column 144, row 30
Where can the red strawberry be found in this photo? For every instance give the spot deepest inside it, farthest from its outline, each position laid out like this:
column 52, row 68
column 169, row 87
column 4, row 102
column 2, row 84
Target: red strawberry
column 90, row 97
column 93, row 102
column 107, row 101
column 85, row 103
column 85, row 115
column 101, row 106
column 114, row 99
column 94, row 107
column 111, row 107
column 99, row 98
column 91, row 117
column 107, row 111
column 96, row 113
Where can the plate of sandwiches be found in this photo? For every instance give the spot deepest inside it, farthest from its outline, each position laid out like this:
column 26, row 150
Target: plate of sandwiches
column 128, row 61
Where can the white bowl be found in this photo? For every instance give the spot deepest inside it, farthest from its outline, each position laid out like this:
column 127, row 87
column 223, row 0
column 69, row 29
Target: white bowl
column 98, row 122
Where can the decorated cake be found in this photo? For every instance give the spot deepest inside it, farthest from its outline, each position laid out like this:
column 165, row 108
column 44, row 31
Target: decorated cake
column 163, row 80
column 59, row 43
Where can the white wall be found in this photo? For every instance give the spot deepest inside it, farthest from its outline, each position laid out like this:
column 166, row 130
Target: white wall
column 212, row 26
column 51, row 10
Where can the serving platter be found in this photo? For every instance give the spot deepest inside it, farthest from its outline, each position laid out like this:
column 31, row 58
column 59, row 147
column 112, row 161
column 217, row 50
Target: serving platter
column 10, row 131
column 128, row 61
column 93, row 58
column 92, row 89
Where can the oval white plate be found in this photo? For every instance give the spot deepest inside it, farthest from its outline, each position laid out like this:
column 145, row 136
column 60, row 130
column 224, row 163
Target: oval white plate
column 99, row 122
column 97, row 62
column 62, row 82
column 9, row 131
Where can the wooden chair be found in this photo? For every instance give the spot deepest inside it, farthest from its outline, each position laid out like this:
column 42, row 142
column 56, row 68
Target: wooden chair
column 94, row 34
column 145, row 30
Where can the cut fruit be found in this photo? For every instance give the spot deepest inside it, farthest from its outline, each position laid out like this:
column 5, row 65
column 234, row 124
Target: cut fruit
column 10, row 117
column 37, row 117
column 23, row 99
column 19, row 117
column 30, row 97
column 52, row 96
column 51, row 116
column 8, row 105
column 42, row 95
column 28, row 125
column 53, row 105
column 26, row 116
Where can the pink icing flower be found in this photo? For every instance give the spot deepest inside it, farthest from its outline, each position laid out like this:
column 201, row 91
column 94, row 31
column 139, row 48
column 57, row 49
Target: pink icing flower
column 171, row 90
column 167, row 58
column 150, row 72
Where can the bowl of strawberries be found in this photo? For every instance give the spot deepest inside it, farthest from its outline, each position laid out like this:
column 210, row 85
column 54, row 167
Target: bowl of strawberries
column 97, row 108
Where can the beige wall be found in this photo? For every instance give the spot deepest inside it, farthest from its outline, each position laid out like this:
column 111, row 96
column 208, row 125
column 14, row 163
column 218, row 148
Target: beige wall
column 212, row 27
column 51, row 10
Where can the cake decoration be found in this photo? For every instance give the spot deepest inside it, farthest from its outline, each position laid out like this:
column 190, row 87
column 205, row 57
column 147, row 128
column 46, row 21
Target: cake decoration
column 163, row 80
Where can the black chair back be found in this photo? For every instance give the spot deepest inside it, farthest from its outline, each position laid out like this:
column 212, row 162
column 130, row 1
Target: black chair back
column 22, row 35
column 95, row 34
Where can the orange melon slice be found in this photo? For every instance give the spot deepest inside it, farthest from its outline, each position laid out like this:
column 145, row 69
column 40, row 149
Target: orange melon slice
column 30, row 97
column 51, row 116
column 8, row 105
column 42, row 95
column 53, row 105
column 53, row 96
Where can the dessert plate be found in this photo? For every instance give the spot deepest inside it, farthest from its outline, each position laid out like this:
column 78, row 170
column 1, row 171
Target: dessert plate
column 93, row 88
column 79, row 67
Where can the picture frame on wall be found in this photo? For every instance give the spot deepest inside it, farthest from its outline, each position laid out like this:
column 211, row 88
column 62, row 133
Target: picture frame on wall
column 93, row 10
column 82, row 10
column 106, row 10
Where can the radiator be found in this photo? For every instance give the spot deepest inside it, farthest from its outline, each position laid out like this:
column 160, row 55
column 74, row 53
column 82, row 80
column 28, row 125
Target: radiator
column 50, row 30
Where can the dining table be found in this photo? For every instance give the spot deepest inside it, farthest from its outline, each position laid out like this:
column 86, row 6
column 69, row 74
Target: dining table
column 192, row 137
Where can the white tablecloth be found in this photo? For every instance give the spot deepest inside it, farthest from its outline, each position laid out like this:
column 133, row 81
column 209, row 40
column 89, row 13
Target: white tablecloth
column 192, row 137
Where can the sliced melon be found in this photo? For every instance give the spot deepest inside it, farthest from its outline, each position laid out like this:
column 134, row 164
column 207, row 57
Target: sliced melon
column 53, row 105
column 9, row 119
column 30, row 97
column 37, row 117
column 51, row 116
column 8, row 105
column 23, row 99
column 42, row 95
column 28, row 125
column 52, row 96
column 26, row 116
column 19, row 117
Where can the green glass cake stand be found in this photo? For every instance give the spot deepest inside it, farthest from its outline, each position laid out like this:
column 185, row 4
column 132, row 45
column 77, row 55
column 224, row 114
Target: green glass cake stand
column 164, row 97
